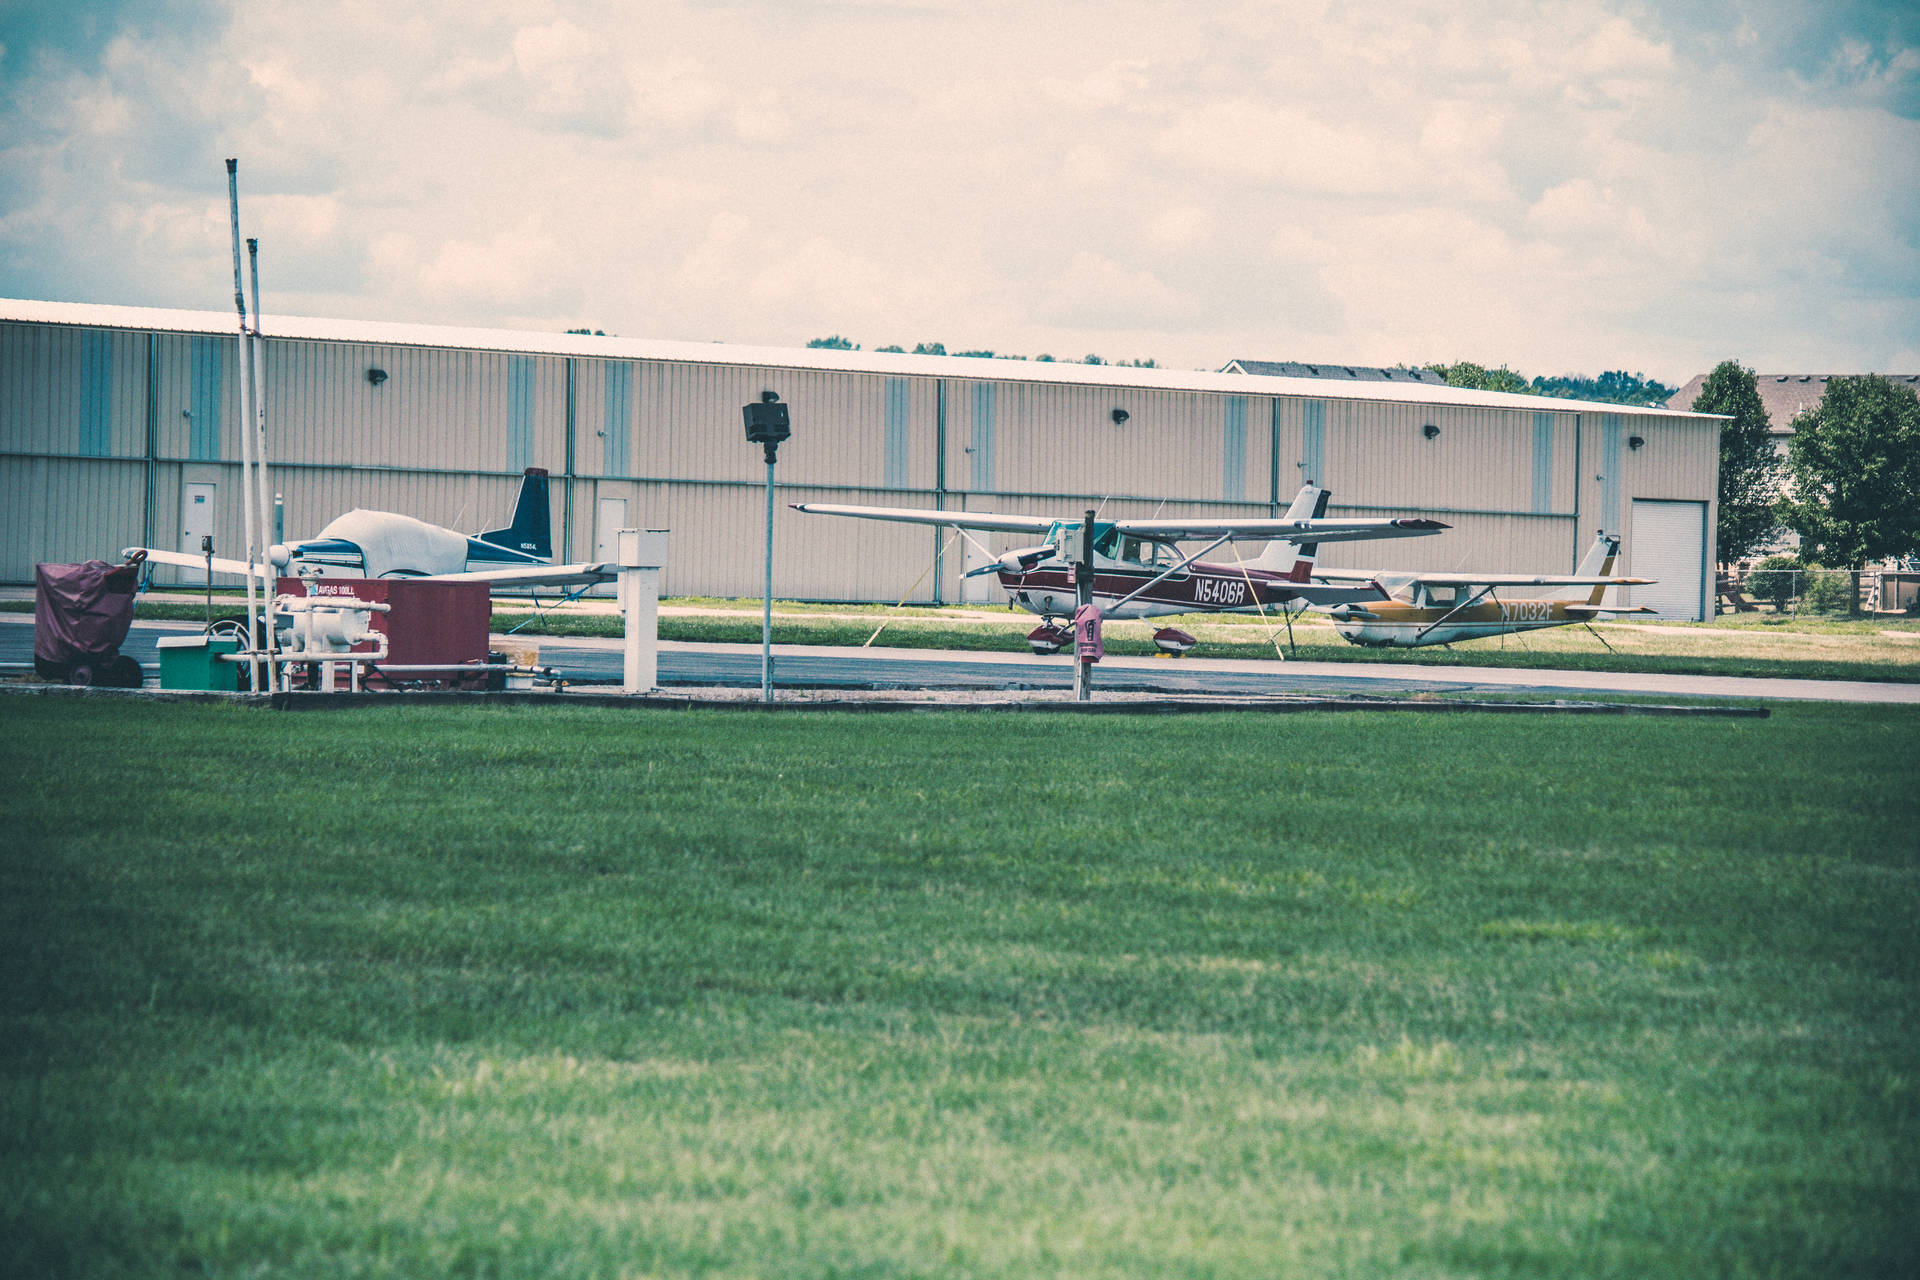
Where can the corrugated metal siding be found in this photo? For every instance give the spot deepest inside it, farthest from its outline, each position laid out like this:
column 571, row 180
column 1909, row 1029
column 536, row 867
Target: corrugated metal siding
column 207, row 400
column 477, row 410
column 72, row 391
column 1063, row 441
column 616, row 415
column 1313, row 444
column 81, row 510
column 1233, row 450
column 1542, row 463
column 982, row 396
column 1611, row 516
column 899, row 434
column 1517, row 543
column 439, row 437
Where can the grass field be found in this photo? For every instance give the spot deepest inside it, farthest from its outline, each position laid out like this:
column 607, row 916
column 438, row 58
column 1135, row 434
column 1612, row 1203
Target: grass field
column 498, row 992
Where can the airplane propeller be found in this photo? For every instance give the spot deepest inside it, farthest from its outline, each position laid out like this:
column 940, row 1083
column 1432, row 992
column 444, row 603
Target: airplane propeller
column 1017, row 561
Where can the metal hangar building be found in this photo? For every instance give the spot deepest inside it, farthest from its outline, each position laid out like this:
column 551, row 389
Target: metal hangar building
column 118, row 427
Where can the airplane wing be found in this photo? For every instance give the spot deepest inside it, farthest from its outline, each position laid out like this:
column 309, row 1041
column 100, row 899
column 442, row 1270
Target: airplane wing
column 1163, row 530
column 522, row 575
column 922, row 515
column 537, row 575
column 237, row 568
column 1179, row 530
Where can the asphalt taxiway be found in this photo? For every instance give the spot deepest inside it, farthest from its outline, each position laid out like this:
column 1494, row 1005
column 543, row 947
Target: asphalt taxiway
column 590, row 662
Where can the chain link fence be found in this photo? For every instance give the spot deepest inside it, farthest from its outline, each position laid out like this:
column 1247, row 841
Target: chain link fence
column 1781, row 584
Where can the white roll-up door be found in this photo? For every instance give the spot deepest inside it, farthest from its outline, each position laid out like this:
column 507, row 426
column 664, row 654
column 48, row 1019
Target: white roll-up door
column 1669, row 544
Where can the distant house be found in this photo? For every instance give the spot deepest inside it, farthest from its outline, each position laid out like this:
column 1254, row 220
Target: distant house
column 1785, row 396
column 1344, row 372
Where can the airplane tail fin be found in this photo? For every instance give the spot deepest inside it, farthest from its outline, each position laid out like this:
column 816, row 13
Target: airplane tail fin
column 1597, row 563
column 1296, row 561
column 531, row 528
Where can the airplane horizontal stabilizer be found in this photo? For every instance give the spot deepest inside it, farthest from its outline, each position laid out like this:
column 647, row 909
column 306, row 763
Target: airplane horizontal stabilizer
column 1591, row 610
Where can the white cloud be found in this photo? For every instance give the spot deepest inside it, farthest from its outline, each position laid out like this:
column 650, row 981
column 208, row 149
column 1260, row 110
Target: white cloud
column 1555, row 186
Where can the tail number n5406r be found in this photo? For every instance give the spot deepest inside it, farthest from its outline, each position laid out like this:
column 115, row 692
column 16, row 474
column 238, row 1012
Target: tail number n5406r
column 1219, row 591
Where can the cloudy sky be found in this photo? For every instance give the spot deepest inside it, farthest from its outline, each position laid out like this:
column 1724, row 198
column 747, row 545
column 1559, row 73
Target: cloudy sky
column 1559, row 187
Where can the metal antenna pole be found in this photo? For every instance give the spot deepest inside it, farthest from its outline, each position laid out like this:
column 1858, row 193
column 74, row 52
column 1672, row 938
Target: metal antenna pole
column 246, row 417
column 1082, row 669
column 264, row 506
column 766, row 607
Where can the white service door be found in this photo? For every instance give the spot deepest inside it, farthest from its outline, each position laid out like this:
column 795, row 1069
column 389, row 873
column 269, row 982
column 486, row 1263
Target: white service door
column 197, row 502
column 1669, row 544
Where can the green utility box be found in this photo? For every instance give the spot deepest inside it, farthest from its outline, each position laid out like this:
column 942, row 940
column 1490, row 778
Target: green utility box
column 193, row 662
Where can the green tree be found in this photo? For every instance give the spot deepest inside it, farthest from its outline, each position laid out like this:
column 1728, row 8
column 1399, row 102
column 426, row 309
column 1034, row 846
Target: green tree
column 1612, row 387
column 929, row 348
column 1853, row 468
column 1479, row 378
column 895, row 348
column 835, row 343
column 1749, row 468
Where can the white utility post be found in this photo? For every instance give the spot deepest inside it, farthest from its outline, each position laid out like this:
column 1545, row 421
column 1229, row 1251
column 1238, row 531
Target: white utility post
column 641, row 554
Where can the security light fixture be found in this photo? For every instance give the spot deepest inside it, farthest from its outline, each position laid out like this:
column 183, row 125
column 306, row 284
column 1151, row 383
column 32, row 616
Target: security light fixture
column 1430, row 431
column 767, row 423
column 1634, row 442
column 376, row 376
column 1119, row 417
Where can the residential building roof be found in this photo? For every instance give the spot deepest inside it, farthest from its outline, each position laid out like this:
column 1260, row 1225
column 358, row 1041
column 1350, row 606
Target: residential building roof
column 1785, row 395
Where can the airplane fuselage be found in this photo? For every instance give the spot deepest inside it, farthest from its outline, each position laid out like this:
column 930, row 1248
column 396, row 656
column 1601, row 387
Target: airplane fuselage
column 1048, row 589
column 1397, row 624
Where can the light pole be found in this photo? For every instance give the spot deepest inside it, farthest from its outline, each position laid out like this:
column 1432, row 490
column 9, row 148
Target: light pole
column 767, row 426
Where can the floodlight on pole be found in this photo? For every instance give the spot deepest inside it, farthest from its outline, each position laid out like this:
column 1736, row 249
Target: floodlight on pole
column 767, row 426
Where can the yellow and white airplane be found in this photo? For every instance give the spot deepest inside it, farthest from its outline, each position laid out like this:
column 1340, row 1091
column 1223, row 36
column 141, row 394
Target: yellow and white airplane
column 1440, row 608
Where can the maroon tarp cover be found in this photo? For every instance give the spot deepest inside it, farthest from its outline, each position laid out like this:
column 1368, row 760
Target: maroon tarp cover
column 81, row 612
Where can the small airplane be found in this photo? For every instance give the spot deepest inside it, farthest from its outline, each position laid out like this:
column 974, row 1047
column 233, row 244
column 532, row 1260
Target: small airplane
column 385, row 544
column 1440, row 608
column 1140, row 572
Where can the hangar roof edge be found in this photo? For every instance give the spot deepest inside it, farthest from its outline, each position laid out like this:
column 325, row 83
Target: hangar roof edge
column 524, row 342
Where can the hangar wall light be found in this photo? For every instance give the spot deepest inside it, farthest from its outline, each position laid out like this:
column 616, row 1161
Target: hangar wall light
column 1634, row 442
column 376, row 376
column 1430, row 431
column 1119, row 416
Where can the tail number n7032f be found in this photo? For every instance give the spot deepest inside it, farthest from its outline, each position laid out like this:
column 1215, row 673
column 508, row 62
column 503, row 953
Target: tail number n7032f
column 1526, row 610
column 1219, row 591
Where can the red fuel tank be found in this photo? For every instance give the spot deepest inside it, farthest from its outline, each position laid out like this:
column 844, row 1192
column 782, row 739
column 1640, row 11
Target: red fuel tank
column 427, row 622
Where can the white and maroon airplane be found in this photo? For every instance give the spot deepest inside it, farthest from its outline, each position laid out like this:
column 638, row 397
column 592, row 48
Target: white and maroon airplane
column 1140, row 572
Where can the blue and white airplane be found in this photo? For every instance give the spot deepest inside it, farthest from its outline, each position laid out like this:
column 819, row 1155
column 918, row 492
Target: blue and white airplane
column 385, row 544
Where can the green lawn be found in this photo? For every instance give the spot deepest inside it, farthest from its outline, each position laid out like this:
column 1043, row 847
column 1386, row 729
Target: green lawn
column 533, row 992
